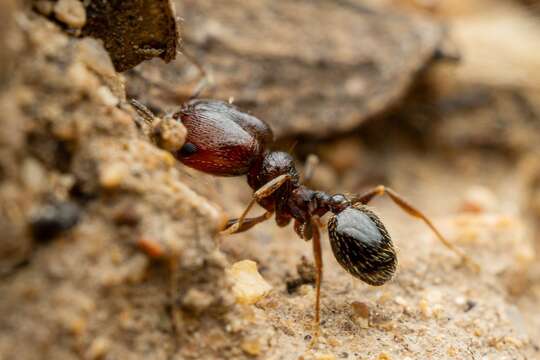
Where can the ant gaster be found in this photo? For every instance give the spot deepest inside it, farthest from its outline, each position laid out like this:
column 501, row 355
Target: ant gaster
column 224, row 141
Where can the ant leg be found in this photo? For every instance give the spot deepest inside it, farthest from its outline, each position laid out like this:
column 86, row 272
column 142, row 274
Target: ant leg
column 266, row 190
column 311, row 163
column 143, row 111
column 317, row 255
column 248, row 223
column 409, row 209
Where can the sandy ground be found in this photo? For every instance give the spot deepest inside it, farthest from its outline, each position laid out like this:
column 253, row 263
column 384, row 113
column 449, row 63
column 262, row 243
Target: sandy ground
column 109, row 247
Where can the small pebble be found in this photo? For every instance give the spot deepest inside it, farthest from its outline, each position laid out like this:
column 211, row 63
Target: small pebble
column 34, row 175
column 106, row 97
column 325, row 357
column 151, row 248
column 360, row 309
column 387, row 296
column 479, row 199
column 71, row 13
column 127, row 216
column 76, row 325
column 44, row 7
column 451, row 351
column 248, row 285
column 333, row 342
column 469, row 305
column 360, row 314
column 51, row 219
column 424, row 308
column 197, row 300
column 135, row 268
column 98, row 348
column 113, row 174
column 82, row 78
column 460, row 300
column 251, row 347
column 305, row 290
column 400, row 301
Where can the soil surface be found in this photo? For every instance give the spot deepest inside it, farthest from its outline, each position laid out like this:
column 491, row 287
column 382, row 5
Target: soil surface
column 109, row 247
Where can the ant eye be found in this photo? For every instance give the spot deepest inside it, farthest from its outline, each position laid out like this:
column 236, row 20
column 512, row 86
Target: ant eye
column 188, row 149
column 362, row 245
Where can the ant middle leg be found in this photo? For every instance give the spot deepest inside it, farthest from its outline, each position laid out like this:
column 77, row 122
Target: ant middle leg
column 317, row 255
column 411, row 210
column 266, row 190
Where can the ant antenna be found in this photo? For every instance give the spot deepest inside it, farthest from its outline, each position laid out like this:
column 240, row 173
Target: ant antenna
column 309, row 169
column 206, row 78
column 143, row 111
column 293, row 145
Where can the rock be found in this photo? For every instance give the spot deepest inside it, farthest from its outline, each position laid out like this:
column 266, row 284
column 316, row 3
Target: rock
column 134, row 31
column 362, row 63
column 53, row 218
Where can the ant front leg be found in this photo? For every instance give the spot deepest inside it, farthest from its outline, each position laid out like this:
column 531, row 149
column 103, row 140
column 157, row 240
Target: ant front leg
column 266, row 190
column 248, row 223
column 411, row 210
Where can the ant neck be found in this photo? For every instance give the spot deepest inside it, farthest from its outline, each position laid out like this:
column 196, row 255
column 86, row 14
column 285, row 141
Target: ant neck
column 333, row 203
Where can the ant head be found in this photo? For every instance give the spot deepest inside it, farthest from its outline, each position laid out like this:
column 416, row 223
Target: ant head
column 362, row 245
column 272, row 165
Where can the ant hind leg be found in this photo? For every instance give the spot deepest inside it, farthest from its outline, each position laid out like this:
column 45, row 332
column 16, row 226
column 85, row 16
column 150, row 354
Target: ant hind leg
column 411, row 210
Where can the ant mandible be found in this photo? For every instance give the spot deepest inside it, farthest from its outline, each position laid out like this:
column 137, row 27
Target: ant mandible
column 224, row 141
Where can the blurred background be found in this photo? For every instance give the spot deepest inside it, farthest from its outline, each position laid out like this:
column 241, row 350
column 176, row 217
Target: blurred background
column 109, row 247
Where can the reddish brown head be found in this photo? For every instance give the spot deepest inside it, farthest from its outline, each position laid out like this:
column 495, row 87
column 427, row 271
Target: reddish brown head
column 221, row 140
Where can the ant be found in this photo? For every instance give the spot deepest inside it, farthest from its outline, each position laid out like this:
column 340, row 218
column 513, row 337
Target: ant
column 224, row 141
